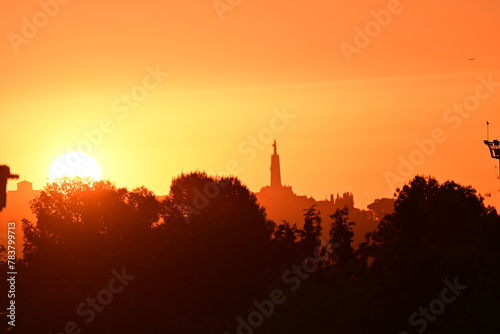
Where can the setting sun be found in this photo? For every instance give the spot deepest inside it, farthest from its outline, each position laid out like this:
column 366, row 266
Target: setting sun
column 75, row 164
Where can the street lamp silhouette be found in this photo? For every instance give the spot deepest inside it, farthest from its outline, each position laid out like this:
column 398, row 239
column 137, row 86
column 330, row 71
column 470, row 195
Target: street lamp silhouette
column 4, row 176
column 494, row 145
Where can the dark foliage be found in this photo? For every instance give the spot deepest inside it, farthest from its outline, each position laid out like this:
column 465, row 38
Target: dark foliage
column 205, row 259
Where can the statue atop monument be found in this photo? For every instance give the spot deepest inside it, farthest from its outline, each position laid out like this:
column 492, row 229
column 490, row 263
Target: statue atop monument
column 275, row 168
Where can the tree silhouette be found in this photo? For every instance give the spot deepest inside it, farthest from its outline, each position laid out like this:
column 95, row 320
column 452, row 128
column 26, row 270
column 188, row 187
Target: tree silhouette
column 71, row 214
column 224, row 238
column 84, row 229
column 311, row 230
column 429, row 219
column 382, row 207
column 341, row 235
column 203, row 254
column 432, row 235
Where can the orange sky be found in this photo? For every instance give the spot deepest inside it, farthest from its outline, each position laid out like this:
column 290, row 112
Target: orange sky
column 226, row 79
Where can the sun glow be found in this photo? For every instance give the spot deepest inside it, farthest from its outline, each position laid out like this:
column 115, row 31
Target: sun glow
column 75, row 164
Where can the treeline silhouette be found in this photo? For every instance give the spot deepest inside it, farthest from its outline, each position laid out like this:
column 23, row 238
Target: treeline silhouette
column 212, row 267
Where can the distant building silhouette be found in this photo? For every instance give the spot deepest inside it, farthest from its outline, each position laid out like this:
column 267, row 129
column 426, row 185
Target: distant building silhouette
column 282, row 203
column 18, row 207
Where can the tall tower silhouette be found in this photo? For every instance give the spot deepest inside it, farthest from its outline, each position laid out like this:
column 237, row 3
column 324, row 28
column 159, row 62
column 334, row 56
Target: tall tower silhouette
column 275, row 168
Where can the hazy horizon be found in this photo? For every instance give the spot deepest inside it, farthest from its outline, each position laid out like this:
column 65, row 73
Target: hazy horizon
column 218, row 82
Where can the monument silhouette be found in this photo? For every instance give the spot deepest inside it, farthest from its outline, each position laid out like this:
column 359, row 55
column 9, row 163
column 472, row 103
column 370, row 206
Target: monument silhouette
column 275, row 168
column 282, row 204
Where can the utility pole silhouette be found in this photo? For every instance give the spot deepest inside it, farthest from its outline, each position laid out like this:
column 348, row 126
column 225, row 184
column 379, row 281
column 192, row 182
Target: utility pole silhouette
column 4, row 176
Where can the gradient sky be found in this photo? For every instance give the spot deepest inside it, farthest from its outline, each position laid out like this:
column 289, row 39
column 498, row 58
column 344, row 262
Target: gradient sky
column 227, row 78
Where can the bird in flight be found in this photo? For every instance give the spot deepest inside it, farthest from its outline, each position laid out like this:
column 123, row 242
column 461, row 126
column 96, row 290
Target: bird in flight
column 472, row 58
